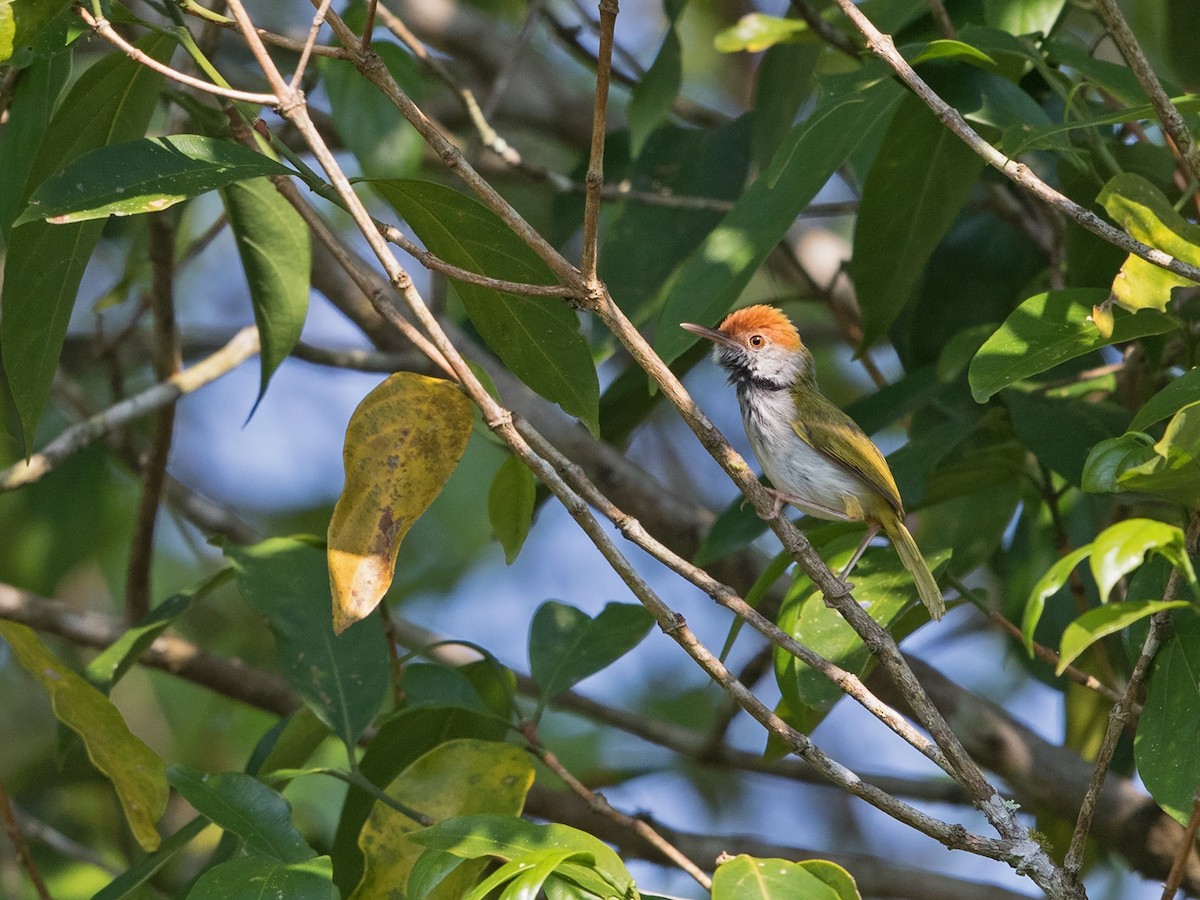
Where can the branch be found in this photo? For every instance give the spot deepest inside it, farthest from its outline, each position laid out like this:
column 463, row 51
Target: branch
column 882, row 46
column 1050, row 778
column 24, row 857
column 243, row 345
column 1119, row 716
column 875, row 877
column 104, row 28
column 595, row 169
column 166, row 365
column 1171, row 120
column 230, row 677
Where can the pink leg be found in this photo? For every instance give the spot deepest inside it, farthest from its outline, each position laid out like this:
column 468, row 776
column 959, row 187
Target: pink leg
column 872, row 530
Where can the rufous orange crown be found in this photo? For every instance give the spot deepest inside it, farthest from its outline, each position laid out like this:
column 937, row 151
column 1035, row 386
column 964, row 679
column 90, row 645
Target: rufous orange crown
column 764, row 320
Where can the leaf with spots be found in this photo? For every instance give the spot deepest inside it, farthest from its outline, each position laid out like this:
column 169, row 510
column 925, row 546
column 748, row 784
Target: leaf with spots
column 134, row 769
column 747, row 878
column 402, row 444
column 343, row 678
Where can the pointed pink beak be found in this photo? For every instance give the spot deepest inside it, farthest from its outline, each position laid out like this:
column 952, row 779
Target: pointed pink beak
column 717, row 337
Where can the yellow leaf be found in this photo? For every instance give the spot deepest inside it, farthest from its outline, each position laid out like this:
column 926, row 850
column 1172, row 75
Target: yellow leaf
column 136, row 771
column 402, row 444
column 1102, row 318
column 458, row 778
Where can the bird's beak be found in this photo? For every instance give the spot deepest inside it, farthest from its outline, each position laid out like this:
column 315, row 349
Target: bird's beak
column 717, row 337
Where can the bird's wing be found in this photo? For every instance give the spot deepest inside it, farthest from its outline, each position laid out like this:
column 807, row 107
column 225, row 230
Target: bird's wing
column 826, row 437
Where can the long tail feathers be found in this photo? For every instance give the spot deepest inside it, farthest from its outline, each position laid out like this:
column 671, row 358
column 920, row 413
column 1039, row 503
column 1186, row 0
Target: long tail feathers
column 910, row 555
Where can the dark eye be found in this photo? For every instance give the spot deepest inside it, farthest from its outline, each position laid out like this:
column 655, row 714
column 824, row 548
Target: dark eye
column 756, row 340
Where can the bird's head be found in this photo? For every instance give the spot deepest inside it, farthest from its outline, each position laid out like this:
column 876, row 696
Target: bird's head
column 759, row 345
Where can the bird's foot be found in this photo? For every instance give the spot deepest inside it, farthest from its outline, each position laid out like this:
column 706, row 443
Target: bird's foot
column 778, row 500
column 844, row 589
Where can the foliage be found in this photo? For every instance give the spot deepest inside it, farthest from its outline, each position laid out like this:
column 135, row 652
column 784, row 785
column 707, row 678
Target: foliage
column 1036, row 372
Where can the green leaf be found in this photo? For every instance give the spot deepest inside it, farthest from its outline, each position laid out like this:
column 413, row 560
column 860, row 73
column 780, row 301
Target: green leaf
column 833, row 875
column 276, row 252
column 112, row 101
column 783, row 82
column 947, row 49
column 428, row 685
column 1023, row 16
column 736, row 526
column 135, row 770
column 1047, row 586
column 1061, row 431
column 128, row 883
column 21, row 25
column 756, row 32
column 1169, row 730
column 32, row 104
column 526, row 875
column 1169, row 468
column 652, row 97
column 989, row 99
column 257, row 877
column 144, row 175
column 1103, row 621
column 511, row 501
column 461, row 777
column 1142, row 210
column 566, row 645
column 383, row 142
column 922, row 173
column 1123, row 547
column 1180, row 392
column 342, row 678
column 246, row 807
column 747, row 878
column 706, row 284
column 108, row 668
column 1048, row 329
column 511, row 838
column 536, row 337
column 402, row 738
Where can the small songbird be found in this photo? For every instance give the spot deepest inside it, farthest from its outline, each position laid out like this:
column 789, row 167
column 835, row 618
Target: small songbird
column 815, row 455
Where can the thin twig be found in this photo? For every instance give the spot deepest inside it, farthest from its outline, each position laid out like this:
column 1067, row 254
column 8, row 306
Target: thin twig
column 167, row 363
column 104, row 28
column 277, row 40
column 243, row 345
column 24, row 857
column 1159, row 626
column 823, row 29
column 1179, row 866
column 941, row 18
column 313, row 30
column 600, row 805
column 884, row 47
column 595, row 170
column 533, row 12
column 369, row 25
column 1170, row 117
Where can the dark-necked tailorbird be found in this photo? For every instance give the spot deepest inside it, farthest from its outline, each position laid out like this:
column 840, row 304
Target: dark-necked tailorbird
column 815, row 455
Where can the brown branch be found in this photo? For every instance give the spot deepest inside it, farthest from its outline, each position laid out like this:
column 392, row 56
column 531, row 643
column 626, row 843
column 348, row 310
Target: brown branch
column 104, row 28
column 882, row 46
column 243, row 345
column 306, row 51
column 24, row 857
column 823, row 29
column 1119, row 716
column 166, row 364
column 1186, row 847
column 230, row 677
column 941, row 18
column 595, row 170
column 1168, row 115
column 875, row 877
column 277, row 40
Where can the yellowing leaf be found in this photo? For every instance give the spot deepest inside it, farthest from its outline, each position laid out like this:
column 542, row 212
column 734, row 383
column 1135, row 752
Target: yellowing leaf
column 134, row 769
column 402, row 444
column 1143, row 211
column 460, row 777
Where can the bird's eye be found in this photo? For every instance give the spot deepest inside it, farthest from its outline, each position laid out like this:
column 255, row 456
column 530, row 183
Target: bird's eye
column 756, row 340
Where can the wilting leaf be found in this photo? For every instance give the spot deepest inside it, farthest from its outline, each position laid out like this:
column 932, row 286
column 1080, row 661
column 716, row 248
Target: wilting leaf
column 402, row 444
column 134, row 769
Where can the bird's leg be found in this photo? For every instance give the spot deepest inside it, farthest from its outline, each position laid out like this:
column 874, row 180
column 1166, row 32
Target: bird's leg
column 872, row 530
column 806, row 506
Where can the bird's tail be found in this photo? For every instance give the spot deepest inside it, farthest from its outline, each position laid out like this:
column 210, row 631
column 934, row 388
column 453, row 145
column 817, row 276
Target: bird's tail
column 910, row 556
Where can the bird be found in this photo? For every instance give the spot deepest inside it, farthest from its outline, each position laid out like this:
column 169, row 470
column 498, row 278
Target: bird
column 816, row 456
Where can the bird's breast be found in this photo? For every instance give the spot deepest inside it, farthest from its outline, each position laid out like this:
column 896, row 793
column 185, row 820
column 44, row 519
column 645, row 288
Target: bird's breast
column 792, row 465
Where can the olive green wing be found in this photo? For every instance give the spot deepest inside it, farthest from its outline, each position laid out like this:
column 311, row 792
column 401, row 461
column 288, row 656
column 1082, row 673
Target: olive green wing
column 838, row 438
